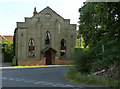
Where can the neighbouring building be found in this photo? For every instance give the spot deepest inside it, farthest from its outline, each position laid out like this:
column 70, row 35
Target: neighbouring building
column 45, row 38
column 8, row 37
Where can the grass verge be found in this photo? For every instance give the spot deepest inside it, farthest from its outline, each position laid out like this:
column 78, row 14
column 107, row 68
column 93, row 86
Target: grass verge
column 78, row 78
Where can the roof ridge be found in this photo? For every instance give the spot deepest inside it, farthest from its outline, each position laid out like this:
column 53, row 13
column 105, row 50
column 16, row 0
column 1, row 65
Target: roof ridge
column 50, row 9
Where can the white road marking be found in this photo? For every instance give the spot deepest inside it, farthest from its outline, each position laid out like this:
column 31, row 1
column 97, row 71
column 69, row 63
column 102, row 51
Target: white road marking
column 44, row 83
column 27, row 81
column 52, row 84
column 17, row 79
column 69, row 85
column 60, row 85
column 11, row 79
column 38, row 82
column 4, row 78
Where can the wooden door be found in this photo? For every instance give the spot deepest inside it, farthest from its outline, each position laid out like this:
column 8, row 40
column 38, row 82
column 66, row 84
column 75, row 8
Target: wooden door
column 48, row 55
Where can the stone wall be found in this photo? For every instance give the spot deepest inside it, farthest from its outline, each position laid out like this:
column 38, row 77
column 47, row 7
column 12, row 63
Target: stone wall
column 63, row 61
column 31, row 62
column 34, row 62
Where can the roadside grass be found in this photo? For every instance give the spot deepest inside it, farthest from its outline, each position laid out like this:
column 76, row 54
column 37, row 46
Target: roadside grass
column 78, row 78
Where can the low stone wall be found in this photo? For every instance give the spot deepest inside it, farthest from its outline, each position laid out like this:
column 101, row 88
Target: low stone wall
column 63, row 61
column 34, row 62
column 31, row 62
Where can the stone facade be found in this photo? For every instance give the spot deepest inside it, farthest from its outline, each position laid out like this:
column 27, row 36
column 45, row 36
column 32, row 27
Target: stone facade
column 45, row 34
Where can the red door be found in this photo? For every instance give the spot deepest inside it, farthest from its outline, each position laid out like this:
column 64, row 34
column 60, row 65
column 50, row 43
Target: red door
column 48, row 57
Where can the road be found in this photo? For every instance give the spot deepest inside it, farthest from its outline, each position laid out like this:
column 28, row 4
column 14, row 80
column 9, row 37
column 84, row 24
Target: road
column 37, row 77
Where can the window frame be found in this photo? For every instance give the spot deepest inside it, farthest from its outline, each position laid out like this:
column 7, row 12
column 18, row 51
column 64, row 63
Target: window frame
column 63, row 48
column 31, row 48
column 49, row 37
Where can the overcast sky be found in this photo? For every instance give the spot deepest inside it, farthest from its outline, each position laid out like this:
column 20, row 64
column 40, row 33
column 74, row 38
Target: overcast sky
column 12, row 11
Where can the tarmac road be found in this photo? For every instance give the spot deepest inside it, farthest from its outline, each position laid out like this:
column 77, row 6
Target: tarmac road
column 38, row 77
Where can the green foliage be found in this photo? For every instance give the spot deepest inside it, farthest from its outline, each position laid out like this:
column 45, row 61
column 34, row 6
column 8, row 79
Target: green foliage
column 83, row 59
column 81, row 78
column 100, row 29
column 7, row 50
column 78, row 43
column 14, row 43
column 99, row 24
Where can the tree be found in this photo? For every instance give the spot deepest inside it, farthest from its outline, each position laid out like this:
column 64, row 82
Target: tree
column 110, row 30
column 100, row 25
column 7, row 50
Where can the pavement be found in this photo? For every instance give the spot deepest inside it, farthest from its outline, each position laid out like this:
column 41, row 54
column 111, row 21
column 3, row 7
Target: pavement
column 6, row 64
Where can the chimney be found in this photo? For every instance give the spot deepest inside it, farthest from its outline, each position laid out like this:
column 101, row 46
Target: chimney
column 35, row 12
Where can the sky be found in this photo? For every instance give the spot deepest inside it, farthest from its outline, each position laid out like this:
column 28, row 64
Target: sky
column 12, row 11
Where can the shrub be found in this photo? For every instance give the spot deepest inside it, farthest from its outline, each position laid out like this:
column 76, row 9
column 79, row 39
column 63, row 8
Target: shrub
column 97, row 65
column 7, row 50
column 82, row 78
column 83, row 59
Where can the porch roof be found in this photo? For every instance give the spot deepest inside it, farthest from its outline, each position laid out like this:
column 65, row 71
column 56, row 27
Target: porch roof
column 48, row 48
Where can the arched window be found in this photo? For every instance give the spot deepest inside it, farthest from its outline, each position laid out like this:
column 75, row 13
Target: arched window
column 63, row 48
column 31, row 47
column 47, row 38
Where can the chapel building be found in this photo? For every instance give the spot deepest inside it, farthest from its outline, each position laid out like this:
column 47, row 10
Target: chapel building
column 45, row 38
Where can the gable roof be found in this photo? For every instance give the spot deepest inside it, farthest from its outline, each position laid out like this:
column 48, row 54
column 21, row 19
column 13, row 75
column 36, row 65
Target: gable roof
column 48, row 48
column 51, row 10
